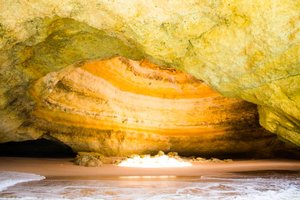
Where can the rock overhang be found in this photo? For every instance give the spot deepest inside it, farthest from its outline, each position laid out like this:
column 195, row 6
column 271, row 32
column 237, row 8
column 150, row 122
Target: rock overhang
column 245, row 50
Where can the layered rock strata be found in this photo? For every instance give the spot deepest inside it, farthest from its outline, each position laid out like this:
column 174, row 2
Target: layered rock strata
column 245, row 49
column 119, row 107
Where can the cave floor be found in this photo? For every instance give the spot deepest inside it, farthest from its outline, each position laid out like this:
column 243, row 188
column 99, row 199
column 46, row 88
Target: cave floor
column 64, row 167
column 239, row 179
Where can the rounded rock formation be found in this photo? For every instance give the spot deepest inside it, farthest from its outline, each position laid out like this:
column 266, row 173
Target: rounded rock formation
column 242, row 49
column 120, row 107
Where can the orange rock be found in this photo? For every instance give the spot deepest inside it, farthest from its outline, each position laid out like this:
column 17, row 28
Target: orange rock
column 120, row 106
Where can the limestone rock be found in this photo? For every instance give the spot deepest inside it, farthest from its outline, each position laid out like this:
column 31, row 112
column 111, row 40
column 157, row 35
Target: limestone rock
column 246, row 49
column 120, row 107
column 88, row 159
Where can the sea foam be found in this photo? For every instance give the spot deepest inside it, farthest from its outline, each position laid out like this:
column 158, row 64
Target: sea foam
column 8, row 178
column 280, row 187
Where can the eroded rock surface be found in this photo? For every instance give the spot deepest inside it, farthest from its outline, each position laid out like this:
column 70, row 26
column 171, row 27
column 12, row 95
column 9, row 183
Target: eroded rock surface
column 88, row 159
column 246, row 49
column 119, row 107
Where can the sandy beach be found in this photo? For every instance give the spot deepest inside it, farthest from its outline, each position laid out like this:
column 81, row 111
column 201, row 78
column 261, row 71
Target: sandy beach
column 48, row 178
column 50, row 167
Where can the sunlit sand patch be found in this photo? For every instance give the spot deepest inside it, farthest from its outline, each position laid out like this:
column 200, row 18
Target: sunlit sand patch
column 158, row 161
column 148, row 177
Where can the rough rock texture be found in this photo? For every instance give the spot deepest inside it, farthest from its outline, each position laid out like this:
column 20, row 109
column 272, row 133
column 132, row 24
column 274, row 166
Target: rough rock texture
column 119, row 107
column 246, row 49
column 88, row 159
column 94, row 159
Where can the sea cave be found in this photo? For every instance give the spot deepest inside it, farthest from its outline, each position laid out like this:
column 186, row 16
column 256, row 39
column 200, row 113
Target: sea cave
column 115, row 99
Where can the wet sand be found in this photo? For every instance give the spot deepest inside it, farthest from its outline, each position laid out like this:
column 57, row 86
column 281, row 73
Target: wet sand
column 247, row 179
column 50, row 167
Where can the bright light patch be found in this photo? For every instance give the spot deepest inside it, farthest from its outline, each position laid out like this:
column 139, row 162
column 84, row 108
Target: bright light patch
column 153, row 162
column 147, row 177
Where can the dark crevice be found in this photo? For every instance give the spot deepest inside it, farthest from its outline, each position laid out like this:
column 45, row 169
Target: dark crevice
column 36, row 148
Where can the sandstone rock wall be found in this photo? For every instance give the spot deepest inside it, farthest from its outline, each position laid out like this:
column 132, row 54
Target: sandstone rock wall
column 246, row 49
column 120, row 107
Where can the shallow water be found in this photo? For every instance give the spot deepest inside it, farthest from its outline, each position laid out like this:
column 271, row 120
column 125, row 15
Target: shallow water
column 270, row 185
column 8, row 179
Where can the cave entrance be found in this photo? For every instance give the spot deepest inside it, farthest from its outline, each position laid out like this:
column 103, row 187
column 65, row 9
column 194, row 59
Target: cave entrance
column 119, row 107
column 36, row 148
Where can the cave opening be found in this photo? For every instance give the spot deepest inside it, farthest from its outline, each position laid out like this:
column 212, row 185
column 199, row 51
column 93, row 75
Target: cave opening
column 36, row 148
column 119, row 103
column 204, row 92
column 142, row 108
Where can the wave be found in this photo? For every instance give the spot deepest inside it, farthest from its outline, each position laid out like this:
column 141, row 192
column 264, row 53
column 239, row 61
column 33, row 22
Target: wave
column 8, row 178
column 279, row 187
column 269, row 188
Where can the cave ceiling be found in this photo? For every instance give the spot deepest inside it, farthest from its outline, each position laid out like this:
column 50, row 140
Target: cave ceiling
column 226, row 54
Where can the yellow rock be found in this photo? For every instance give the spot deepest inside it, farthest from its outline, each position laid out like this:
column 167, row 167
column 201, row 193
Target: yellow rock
column 243, row 49
column 119, row 107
